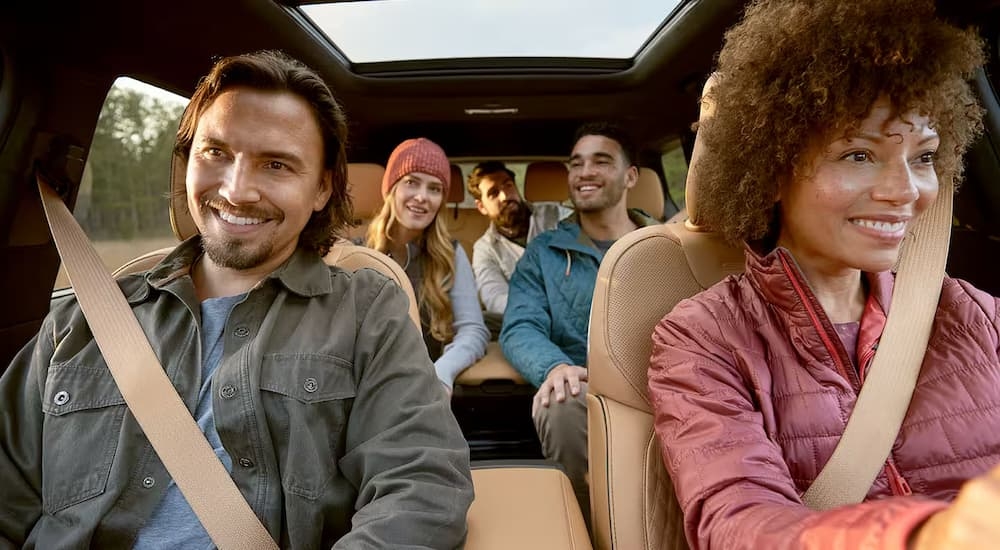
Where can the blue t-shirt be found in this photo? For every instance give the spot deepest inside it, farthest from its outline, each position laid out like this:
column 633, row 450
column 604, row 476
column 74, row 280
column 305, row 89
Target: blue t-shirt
column 174, row 524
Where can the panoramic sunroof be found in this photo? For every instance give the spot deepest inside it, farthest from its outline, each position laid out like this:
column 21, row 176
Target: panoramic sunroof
column 375, row 31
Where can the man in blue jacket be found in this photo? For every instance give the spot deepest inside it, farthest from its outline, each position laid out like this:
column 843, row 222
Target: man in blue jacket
column 544, row 332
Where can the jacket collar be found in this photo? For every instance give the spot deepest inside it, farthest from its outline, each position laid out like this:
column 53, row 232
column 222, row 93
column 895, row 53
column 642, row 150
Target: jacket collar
column 304, row 273
column 570, row 236
column 769, row 276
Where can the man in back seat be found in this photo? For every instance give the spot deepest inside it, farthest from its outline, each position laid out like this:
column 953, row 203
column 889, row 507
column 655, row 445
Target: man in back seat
column 312, row 384
column 513, row 224
column 544, row 332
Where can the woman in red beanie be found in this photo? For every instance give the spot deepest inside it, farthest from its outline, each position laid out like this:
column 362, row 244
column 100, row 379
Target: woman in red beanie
column 408, row 229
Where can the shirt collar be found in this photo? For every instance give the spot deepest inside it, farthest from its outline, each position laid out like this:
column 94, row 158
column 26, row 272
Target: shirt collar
column 304, row 273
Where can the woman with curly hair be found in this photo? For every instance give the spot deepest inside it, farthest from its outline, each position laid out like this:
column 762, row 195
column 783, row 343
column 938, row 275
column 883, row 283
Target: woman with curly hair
column 409, row 230
column 834, row 123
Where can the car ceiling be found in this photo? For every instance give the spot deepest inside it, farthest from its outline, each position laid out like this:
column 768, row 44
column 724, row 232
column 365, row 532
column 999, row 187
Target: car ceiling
column 656, row 96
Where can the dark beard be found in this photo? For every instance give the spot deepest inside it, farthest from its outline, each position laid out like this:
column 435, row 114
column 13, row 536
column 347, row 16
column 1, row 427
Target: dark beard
column 236, row 254
column 231, row 253
column 514, row 219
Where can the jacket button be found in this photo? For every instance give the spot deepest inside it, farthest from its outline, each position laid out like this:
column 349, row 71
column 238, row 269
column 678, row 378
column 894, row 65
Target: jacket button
column 311, row 385
column 246, row 462
column 61, row 398
column 148, row 482
column 241, row 332
column 227, row 391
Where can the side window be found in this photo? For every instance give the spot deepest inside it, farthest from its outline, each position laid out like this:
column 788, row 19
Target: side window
column 675, row 170
column 122, row 203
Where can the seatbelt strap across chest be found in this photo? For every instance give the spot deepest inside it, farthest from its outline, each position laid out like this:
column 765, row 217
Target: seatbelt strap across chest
column 150, row 395
column 885, row 396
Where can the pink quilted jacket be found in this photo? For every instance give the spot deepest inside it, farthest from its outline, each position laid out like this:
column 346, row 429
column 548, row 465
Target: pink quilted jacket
column 752, row 388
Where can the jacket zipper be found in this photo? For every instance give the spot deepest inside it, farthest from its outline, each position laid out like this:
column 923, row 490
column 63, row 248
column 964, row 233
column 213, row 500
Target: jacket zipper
column 866, row 361
column 897, row 483
column 815, row 320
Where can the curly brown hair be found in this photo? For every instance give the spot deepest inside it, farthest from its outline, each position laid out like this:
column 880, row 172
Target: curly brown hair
column 796, row 71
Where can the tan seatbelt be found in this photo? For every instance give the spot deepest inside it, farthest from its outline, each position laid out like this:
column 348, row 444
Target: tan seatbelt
column 151, row 397
column 885, row 397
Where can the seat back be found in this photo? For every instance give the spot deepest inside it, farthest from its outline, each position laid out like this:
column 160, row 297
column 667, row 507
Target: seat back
column 640, row 280
column 364, row 183
column 546, row 181
column 647, row 194
column 343, row 254
column 465, row 225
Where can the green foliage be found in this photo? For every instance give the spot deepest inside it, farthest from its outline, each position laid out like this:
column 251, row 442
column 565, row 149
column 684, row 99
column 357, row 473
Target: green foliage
column 125, row 194
column 675, row 172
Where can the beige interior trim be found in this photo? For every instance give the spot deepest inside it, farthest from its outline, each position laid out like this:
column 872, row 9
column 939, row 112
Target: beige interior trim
column 647, row 194
column 180, row 217
column 622, row 321
column 524, row 508
column 546, row 181
column 640, row 500
column 493, row 366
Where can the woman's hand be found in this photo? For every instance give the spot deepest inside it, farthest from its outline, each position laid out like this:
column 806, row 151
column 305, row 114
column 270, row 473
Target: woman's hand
column 970, row 522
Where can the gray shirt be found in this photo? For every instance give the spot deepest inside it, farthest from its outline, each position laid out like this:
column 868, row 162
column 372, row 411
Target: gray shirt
column 174, row 524
column 495, row 256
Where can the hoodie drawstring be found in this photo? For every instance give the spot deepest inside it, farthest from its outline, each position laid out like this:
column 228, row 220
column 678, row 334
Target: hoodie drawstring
column 569, row 262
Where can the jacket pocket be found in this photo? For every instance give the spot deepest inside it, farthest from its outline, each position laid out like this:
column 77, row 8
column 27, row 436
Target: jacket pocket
column 308, row 398
column 83, row 417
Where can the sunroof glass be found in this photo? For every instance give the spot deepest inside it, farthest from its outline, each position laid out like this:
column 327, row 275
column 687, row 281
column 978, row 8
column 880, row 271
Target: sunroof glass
column 398, row 30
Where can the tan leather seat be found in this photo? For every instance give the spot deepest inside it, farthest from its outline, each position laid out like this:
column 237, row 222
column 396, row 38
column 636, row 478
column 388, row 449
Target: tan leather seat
column 465, row 225
column 364, row 181
column 343, row 254
column 524, row 507
column 647, row 194
column 493, row 366
column 456, row 191
column 653, row 268
column 546, row 181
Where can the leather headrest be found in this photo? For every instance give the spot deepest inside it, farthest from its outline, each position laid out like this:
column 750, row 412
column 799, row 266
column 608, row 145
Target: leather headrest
column 456, row 191
column 647, row 194
column 364, row 184
column 546, row 181
column 641, row 278
column 691, row 185
column 180, row 216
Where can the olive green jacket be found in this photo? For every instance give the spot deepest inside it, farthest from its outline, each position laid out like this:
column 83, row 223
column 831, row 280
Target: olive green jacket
column 325, row 398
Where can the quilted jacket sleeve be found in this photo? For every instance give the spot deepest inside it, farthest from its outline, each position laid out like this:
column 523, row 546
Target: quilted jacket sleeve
column 731, row 480
column 526, row 338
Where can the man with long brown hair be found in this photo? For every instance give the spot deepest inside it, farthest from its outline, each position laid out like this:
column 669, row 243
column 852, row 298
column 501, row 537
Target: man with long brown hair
column 310, row 383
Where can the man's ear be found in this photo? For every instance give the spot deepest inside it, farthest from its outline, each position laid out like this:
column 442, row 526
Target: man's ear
column 481, row 208
column 325, row 190
column 631, row 176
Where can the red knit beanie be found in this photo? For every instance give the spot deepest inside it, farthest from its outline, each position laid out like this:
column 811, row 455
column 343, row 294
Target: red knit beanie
column 417, row 155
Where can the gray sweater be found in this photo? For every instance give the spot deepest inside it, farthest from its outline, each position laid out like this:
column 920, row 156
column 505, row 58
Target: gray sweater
column 471, row 335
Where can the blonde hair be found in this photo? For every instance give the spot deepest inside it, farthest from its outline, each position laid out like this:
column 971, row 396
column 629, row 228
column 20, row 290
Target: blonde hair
column 437, row 262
